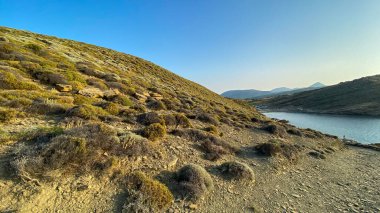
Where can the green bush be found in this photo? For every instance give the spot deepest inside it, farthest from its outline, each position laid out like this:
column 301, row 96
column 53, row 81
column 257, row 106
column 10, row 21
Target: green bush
column 112, row 108
column 87, row 111
column 81, row 99
column 123, row 100
column 147, row 194
column 35, row 48
column 9, row 81
column 154, row 132
column 7, row 115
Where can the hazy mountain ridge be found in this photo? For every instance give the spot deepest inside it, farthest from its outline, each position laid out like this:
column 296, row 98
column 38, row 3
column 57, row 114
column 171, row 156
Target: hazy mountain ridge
column 252, row 93
column 357, row 97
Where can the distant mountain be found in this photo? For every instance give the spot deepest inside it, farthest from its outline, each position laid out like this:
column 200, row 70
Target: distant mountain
column 244, row 94
column 317, row 85
column 357, row 97
column 254, row 94
column 281, row 89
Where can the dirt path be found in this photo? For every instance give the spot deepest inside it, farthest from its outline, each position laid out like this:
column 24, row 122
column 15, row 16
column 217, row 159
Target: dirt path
column 347, row 181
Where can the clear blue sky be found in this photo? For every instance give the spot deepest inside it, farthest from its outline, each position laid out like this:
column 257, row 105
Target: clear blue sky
column 221, row 44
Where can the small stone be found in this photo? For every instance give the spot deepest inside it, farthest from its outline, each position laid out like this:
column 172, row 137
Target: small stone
column 172, row 163
column 193, row 206
column 63, row 87
column 296, row 196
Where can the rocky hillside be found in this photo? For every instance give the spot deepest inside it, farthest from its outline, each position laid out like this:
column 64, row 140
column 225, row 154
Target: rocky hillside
column 85, row 128
column 357, row 97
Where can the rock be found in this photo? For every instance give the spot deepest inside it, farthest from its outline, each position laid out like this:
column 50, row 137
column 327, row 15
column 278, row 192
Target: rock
column 91, row 92
column 109, row 94
column 140, row 97
column 193, row 206
column 64, row 87
column 82, row 187
column 112, row 77
column 172, row 163
column 317, row 155
column 4, row 39
column 156, row 96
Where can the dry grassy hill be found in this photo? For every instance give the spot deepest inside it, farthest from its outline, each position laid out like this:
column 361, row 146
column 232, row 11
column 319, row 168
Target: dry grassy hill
column 85, row 128
column 357, row 97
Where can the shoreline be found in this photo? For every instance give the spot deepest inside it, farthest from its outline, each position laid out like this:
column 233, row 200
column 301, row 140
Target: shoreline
column 349, row 142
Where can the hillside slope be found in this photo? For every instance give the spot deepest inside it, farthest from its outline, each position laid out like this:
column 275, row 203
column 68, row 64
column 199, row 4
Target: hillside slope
column 357, row 97
column 89, row 129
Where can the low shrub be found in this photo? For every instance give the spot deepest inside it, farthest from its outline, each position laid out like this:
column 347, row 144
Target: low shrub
column 169, row 104
column 213, row 147
column 5, row 137
column 275, row 129
column 294, row 131
column 195, row 182
column 182, row 120
column 207, row 118
column 177, row 120
column 7, row 115
column 136, row 145
column 9, row 80
column 122, row 100
column 47, row 108
column 89, row 69
column 276, row 147
column 146, row 195
column 212, row 129
column 154, row 132
column 81, row 99
column 87, row 112
column 97, row 83
column 49, row 77
column 35, row 48
column 237, row 171
column 150, row 118
column 112, row 108
column 156, row 105
column 79, row 149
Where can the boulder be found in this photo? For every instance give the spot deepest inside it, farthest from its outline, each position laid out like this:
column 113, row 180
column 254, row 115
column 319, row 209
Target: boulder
column 3, row 39
column 156, row 96
column 91, row 92
column 109, row 94
column 64, row 87
column 140, row 97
